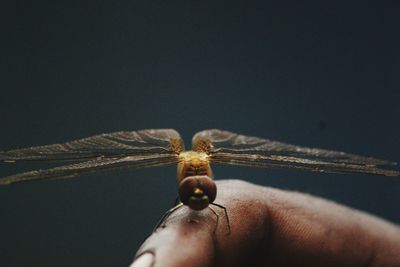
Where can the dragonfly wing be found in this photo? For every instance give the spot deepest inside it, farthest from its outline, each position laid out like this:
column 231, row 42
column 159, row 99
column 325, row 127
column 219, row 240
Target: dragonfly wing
column 124, row 143
column 231, row 148
column 135, row 149
column 92, row 166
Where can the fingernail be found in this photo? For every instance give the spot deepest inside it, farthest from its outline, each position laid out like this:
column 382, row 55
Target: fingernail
column 144, row 260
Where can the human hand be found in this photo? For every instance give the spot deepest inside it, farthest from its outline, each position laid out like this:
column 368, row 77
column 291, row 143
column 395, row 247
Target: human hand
column 271, row 227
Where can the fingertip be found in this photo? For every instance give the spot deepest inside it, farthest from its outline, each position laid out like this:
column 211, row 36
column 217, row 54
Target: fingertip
column 144, row 260
column 183, row 241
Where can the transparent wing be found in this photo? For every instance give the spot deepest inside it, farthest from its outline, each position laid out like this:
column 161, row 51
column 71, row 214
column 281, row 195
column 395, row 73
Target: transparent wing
column 134, row 143
column 92, row 166
column 231, row 148
column 137, row 149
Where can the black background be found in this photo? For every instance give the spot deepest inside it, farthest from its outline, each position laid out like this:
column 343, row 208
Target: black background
column 313, row 74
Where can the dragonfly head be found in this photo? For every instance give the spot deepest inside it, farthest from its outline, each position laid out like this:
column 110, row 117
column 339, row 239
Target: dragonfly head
column 197, row 192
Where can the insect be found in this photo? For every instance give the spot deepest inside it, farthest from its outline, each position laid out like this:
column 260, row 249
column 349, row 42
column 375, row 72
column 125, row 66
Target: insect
column 159, row 147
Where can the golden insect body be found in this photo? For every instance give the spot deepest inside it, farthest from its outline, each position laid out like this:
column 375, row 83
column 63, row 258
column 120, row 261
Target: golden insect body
column 196, row 188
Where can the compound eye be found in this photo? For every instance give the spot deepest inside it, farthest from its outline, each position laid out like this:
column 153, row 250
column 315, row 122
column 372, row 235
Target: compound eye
column 197, row 191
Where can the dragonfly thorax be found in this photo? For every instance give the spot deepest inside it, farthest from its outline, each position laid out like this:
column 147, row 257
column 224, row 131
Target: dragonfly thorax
column 192, row 163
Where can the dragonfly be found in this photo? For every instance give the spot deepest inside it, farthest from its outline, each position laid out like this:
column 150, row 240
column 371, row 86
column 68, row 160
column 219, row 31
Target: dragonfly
column 160, row 147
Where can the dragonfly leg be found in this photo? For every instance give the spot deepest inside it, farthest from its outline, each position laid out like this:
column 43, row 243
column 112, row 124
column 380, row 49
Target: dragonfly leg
column 226, row 216
column 166, row 215
column 177, row 201
column 217, row 216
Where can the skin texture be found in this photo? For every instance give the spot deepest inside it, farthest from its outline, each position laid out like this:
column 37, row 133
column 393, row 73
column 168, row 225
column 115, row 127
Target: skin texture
column 271, row 227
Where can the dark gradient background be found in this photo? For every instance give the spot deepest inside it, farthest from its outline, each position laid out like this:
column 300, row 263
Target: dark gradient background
column 324, row 75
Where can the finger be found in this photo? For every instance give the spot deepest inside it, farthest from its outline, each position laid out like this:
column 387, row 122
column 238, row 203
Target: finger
column 270, row 227
column 203, row 238
column 185, row 240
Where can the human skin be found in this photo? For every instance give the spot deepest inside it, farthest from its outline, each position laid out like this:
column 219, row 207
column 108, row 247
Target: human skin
column 271, row 227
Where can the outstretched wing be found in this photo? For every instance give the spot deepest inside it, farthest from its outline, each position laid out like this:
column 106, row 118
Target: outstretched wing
column 136, row 149
column 231, row 148
column 143, row 142
column 88, row 167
